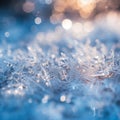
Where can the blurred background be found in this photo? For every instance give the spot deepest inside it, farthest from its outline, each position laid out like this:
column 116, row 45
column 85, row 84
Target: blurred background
column 20, row 18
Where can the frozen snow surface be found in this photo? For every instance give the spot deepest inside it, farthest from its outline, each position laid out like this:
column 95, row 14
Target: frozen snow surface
column 59, row 76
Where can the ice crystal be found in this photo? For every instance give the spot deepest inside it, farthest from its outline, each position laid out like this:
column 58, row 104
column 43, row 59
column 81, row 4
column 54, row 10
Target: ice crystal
column 74, row 80
column 70, row 72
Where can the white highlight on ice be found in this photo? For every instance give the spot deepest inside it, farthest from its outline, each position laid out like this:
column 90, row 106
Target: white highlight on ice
column 45, row 99
column 37, row 20
column 67, row 24
column 48, row 1
column 7, row 34
column 63, row 98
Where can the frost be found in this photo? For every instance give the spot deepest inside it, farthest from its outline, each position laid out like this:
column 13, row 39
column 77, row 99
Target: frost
column 61, row 81
column 60, row 75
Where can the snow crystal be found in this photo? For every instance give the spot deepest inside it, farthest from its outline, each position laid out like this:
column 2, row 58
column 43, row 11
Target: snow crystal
column 57, row 76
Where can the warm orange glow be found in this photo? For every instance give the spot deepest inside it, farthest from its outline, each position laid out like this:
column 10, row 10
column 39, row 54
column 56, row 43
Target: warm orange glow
column 84, row 8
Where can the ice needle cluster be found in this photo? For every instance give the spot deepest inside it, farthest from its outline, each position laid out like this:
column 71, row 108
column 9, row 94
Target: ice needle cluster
column 63, row 80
